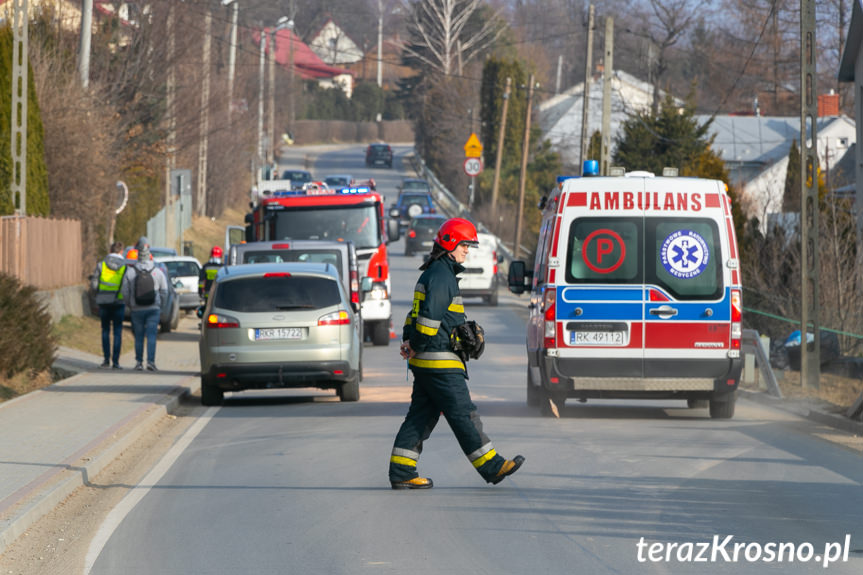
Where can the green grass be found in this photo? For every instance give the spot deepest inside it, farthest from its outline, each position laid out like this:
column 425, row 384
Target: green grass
column 82, row 333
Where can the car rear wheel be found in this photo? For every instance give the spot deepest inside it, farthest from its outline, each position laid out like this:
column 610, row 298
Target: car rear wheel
column 210, row 394
column 492, row 298
column 533, row 398
column 381, row 333
column 723, row 408
column 350, row 390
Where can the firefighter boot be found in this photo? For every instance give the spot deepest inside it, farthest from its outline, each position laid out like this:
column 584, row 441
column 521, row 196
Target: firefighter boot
column 415, row 483
column 508, row 468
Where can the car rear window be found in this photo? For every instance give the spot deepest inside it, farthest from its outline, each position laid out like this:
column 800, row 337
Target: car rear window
column 182, row 269
column 680, row 255
column 427, row 223
column 333, row 257
column 284, row 293
column 415, row 186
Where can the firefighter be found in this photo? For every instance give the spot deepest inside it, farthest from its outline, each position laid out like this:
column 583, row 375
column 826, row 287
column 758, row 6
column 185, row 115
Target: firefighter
column 440, row 385
column 208, row 273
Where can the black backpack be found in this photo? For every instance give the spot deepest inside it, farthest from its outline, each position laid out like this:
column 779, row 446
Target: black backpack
column 145, row 287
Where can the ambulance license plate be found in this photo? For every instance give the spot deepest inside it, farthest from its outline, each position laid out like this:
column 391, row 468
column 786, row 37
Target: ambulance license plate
column 597, row 338
column 266, row 334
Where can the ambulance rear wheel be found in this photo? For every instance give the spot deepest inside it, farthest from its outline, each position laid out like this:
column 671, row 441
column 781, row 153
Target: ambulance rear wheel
column 381, row 333
column 723, row 408
column 551, row 403
column 533, row 395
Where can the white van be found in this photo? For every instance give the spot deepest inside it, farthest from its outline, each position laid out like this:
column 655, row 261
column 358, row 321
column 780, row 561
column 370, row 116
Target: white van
column 635, row 293
column 480, row 275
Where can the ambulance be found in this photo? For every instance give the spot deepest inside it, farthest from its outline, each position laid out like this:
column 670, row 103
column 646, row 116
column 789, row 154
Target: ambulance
column 635, row 293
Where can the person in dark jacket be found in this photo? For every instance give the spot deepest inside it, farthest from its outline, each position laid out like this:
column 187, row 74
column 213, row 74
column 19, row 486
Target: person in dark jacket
column 145, row 315
column 439, row 373
column 208, row 273
column 106, row 282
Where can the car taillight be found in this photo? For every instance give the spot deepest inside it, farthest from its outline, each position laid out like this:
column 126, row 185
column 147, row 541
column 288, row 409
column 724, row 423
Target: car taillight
column 549, row 338
column 219, row 321
column 281, row 246
column 355, row 287
column 412, row 234
column 494, row 259
column 340, row 317
column 277, row 275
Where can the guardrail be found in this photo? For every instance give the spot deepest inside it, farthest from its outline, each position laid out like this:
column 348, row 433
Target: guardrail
column 453, row 208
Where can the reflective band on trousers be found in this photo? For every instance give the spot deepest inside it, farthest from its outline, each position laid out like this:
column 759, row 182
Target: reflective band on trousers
column 479, row 457
column 404, row 457
column 437, row 360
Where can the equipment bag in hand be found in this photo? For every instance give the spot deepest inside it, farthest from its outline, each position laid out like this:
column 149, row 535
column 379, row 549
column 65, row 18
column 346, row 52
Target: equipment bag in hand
column 468, row 340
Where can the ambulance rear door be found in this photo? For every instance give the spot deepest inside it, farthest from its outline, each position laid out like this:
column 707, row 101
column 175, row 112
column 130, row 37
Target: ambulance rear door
column 687, row 299
column 600, row 299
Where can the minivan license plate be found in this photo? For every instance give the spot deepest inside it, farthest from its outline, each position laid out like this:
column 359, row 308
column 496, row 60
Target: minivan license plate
column 264, row 334
column 597, row 338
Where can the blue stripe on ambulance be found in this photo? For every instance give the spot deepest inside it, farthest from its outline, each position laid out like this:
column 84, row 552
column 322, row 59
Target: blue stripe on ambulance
column 628, row 304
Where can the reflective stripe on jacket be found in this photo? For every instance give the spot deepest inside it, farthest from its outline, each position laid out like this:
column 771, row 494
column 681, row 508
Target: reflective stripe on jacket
column 437, row 308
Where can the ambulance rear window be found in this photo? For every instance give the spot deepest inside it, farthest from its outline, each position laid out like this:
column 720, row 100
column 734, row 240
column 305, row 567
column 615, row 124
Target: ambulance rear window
column 685, row 256
column 605, row 250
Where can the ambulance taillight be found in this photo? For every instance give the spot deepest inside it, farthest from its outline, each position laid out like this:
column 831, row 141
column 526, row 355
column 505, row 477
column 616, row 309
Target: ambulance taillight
column 550, row 331
column 736, row 320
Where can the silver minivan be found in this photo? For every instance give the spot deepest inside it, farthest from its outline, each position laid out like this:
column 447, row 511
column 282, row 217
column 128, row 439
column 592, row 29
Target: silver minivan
column 279, row 325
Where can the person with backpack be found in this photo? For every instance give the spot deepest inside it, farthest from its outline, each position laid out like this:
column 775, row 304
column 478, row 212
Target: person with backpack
column 106, row 282
column 144, row 289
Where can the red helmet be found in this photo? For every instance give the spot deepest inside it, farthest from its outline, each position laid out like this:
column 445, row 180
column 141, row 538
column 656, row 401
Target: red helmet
column 216, row 252
column 455, row 231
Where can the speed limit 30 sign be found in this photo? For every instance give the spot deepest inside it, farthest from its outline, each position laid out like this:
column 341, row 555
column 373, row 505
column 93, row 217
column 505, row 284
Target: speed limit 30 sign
column 472, row 166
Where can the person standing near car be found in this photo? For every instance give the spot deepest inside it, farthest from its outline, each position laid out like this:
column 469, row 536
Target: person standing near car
column 106, row 282
column 208, row 273
column 144, row 289
column 439, row 373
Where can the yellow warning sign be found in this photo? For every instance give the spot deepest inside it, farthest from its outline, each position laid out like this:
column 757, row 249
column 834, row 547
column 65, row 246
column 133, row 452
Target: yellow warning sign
column 473, row 149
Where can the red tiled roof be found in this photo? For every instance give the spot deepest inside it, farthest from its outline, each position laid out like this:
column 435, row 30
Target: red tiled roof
column 306, row 63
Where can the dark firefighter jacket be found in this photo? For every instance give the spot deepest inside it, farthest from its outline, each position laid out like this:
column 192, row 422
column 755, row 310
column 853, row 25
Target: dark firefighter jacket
column 437, row 309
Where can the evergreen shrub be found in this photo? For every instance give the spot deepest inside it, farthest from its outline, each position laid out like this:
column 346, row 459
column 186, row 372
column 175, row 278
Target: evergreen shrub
column 26, row 341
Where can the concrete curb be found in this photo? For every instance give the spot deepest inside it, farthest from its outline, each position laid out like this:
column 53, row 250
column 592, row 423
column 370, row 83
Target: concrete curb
column 44, row 494
column 834, row 420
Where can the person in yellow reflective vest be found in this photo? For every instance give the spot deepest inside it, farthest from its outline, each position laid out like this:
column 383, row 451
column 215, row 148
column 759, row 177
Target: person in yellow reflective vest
column 208, row 273
column 440, row 385
column 106, row 283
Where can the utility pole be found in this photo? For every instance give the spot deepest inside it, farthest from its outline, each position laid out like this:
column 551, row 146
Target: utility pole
column 271, row 88
column 810, row 360
column 559, row 73
column 588, row 64
column 84, row 42
column 607, row 75
column 291, row 100
column 232, row 58
column 522, row 178
column 472, row 178
column 169, row 106
column 20, row 60
column 260, row 147
column 380, row 43
column 499, row 153
column 205, row 114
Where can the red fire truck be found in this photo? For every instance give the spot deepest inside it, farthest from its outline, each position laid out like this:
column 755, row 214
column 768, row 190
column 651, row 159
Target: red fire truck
column 348, row 214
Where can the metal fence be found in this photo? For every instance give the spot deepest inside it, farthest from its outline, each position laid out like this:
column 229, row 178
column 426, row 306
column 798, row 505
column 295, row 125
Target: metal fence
column 41, row 252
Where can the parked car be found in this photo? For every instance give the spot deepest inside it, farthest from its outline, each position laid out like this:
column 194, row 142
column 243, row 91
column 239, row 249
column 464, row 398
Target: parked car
column 421, row 231
column 297, row 177
column 185, row 272
column 336, row 181
column 410, row 205
column 479, row 277
column 279, row 325
column 379, row 153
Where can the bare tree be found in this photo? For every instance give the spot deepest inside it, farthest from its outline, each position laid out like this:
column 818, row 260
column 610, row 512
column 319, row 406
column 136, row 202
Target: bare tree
column 442, row 39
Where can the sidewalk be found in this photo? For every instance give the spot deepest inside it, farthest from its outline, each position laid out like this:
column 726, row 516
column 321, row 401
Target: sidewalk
column 54, row 439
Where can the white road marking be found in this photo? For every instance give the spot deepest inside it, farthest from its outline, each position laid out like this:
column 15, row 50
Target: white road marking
column 116, row 516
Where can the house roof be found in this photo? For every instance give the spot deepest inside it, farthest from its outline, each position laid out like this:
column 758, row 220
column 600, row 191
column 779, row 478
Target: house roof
column 852, row 44
column 761, row 140
column 306, row 63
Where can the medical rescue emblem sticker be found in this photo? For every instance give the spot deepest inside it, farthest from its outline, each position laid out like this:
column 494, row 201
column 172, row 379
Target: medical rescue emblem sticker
column 684, row 254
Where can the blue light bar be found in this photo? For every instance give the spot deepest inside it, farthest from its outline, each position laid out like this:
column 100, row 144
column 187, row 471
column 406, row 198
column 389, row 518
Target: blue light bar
column 355, row 190
column 561, row 179
column 286, row 193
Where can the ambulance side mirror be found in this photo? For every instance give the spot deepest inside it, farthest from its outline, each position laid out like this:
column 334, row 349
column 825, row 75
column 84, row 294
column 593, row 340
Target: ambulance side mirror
column 519, row 278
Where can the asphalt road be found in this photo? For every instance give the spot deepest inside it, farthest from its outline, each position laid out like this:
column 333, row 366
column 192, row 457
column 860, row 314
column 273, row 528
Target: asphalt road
column 296, row 482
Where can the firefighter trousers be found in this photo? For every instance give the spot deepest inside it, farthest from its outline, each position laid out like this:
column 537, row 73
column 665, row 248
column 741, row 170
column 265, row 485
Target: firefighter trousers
column 435, row 394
